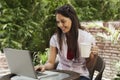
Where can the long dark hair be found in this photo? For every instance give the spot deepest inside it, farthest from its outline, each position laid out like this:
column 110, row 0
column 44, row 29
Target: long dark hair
column 68, row 11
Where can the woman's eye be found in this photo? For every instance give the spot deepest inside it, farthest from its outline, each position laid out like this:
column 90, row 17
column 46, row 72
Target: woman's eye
column 57, row 22
column 63, row 21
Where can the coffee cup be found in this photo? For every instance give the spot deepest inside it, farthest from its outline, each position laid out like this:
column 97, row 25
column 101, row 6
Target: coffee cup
column 85, row 49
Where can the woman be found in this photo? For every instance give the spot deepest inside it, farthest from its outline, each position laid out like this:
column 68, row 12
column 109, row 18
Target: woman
column 66, row 42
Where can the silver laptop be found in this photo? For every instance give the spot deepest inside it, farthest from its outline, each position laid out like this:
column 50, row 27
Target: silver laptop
column 20, row 63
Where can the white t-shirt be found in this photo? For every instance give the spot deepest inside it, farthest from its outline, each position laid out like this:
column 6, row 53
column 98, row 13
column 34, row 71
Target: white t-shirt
column 73, row 65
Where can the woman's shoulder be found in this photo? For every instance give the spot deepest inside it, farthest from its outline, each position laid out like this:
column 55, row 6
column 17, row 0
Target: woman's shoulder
column 54, row 36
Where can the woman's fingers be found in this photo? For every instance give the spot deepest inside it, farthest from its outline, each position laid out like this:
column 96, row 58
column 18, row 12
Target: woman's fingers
column 43, row 69
column 94, row 49
column 40, row 68
column 37, row 67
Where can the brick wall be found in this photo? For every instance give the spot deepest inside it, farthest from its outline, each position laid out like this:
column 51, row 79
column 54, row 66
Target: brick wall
column 108, row 51
column 111, row 54
column 3, row 62
column 3, row 65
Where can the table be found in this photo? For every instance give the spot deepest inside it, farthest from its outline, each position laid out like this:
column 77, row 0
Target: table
column 72, row 75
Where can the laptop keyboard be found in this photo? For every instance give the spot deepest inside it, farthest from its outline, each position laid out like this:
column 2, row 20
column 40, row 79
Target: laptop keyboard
column 39, row 73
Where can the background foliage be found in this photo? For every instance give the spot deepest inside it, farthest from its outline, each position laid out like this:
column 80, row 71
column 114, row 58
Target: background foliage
column 27, row 24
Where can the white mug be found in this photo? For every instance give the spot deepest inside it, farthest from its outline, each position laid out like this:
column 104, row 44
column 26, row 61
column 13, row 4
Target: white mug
column 85, row 49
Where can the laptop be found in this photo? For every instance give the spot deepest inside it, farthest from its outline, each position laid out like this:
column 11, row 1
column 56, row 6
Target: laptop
column 20, row 63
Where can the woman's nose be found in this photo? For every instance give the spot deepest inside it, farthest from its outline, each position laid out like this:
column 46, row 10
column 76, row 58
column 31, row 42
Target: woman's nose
column 60, row 25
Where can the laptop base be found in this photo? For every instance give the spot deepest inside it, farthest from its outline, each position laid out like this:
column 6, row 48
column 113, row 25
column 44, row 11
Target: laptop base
column 22, row 78
column 60, row 76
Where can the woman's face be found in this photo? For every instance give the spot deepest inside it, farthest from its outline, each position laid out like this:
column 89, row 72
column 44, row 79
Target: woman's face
column 64, row 23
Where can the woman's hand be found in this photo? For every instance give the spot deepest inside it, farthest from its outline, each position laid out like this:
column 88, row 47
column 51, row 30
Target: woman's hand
column 94, row 50
column 40, row 68
column 93, row 55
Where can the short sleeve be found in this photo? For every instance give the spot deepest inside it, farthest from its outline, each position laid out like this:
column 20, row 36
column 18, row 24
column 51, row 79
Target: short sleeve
column 53, row 41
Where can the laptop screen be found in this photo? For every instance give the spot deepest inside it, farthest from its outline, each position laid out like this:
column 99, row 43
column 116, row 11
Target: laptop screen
column 20, row 62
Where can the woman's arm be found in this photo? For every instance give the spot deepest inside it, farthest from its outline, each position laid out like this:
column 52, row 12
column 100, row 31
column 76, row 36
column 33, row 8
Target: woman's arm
column 50, row 62
column 51, row 58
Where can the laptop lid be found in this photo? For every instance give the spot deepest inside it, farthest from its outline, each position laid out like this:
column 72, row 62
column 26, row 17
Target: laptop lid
column 19, row 62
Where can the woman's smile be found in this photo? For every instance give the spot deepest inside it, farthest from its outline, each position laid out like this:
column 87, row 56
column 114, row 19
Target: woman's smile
column 64, row 23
